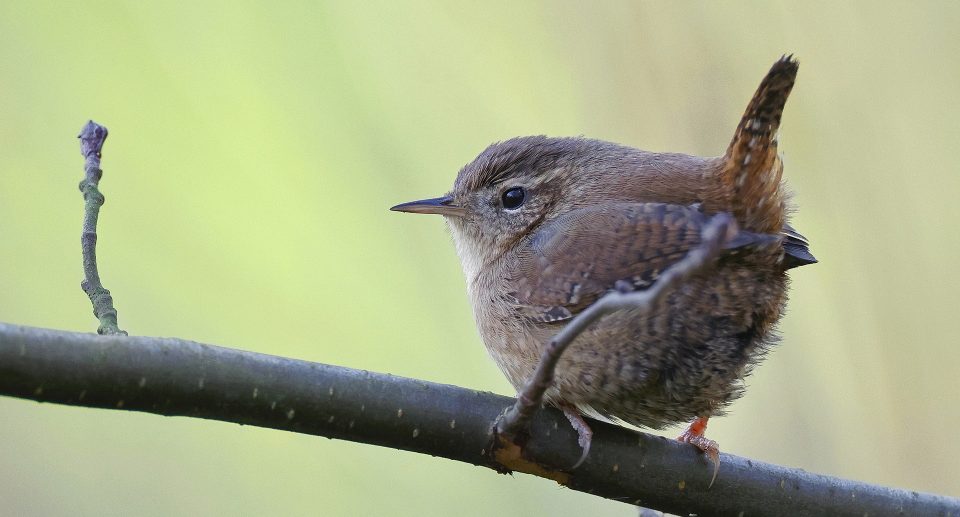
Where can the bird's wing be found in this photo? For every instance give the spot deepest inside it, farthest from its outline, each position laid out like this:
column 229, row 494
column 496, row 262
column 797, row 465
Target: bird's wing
column 572, row 261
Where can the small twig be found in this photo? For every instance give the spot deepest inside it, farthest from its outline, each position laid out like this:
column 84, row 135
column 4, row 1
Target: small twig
column 91, row 138
column 715, row 235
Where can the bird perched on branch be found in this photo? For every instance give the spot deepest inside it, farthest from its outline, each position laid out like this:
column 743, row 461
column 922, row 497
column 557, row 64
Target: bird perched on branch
column 544, row 227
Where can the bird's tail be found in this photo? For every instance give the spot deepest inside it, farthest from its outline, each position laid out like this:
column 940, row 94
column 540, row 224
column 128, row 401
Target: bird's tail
column 749, row 181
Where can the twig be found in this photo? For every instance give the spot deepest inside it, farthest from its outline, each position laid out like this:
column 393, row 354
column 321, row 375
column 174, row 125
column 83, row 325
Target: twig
column 91, row 138
column 178, row 377
column 717, row 232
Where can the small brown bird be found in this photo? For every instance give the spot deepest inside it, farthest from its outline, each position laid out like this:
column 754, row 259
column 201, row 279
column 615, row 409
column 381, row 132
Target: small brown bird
column 544, row 227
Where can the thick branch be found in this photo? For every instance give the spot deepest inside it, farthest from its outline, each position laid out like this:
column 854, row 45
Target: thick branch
column 177, row 377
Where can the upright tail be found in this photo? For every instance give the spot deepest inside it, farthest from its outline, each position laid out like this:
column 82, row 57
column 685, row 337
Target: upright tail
column 749, row 181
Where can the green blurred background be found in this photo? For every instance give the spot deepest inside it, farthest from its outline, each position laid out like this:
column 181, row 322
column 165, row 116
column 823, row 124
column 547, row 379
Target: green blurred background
column 255, row 148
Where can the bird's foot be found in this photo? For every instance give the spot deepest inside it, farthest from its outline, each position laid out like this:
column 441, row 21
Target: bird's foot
column 694, row 436
column 584, row 433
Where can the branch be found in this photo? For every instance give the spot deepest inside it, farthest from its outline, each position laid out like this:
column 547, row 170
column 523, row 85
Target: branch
column 176, row 377
column 91, row 138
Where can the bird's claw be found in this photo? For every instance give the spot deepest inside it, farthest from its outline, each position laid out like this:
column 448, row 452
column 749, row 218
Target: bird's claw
column 584, row 433
column 694, row 436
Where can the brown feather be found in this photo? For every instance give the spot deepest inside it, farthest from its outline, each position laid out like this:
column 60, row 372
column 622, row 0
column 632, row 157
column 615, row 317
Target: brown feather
column 749, row 182
column 568, row 264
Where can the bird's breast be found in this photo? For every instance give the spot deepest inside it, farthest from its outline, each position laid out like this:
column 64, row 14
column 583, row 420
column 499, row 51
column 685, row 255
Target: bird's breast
column 513, row 343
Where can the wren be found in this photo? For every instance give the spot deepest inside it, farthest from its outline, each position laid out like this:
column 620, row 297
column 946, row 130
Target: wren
column 544, row 227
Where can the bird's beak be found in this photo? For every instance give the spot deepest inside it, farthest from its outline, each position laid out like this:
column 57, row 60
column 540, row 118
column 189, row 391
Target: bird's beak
column 438, row 205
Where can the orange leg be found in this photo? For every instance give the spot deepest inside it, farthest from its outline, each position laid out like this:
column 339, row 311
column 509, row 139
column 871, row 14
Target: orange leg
column 694, row 436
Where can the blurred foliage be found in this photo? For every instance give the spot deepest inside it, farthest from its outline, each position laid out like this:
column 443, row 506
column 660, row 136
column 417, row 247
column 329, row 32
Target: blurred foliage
column 255, row 148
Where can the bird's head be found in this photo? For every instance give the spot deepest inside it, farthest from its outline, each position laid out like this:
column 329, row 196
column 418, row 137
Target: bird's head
column 514, row 186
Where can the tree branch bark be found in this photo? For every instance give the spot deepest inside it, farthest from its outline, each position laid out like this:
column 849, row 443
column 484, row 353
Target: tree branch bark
column 176, row 377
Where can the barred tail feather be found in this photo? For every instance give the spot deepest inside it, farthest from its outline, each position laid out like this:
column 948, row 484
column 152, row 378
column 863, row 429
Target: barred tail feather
column 749, row 181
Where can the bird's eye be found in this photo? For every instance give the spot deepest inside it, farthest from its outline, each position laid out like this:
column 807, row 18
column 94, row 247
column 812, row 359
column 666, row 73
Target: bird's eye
column 513, row 198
